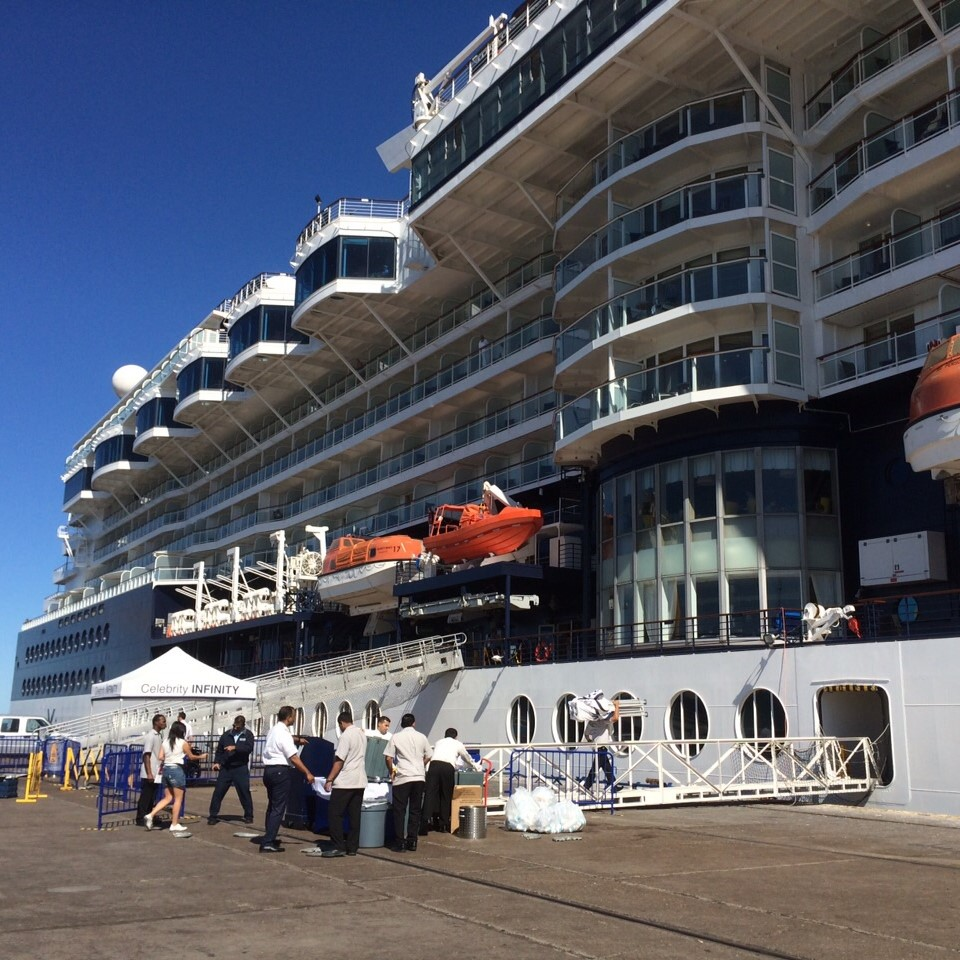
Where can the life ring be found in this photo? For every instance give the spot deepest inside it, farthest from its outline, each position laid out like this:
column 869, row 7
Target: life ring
column 543, row 652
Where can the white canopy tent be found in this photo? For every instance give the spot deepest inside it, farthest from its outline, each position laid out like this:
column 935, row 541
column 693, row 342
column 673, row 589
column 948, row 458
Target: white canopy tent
column 174, row 674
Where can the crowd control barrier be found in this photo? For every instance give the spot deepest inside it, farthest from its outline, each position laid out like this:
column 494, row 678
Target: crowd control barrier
column 119, row 780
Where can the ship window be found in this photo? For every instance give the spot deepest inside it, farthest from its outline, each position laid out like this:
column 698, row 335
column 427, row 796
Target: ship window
column 628, row 727
column 522, row 721
column 371, row 713
column 565, row 729
column 782, row 181
column 762, row 717
column 298, row 724
column 688, row 725
column 785, row 275
column 319, row 719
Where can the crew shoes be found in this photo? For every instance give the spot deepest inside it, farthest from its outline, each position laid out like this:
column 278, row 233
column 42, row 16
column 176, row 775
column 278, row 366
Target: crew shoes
column 148, row 821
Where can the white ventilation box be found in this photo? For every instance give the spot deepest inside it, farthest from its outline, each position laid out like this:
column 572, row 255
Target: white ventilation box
column 908, row 558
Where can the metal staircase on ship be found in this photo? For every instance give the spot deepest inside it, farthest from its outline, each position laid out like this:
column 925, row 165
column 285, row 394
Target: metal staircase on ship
column 390, row 675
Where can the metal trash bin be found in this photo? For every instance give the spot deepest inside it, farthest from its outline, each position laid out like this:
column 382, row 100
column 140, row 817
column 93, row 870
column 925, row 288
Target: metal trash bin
column 373, row 824
column 473, row 823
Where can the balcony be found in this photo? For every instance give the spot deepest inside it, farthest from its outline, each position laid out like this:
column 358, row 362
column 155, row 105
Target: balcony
column 862, row 361
column 701, row 117
column 647, row 396
column 899, row 138
column 899, row 250
column 715, row 281
column 880, row 56
column 689, row 203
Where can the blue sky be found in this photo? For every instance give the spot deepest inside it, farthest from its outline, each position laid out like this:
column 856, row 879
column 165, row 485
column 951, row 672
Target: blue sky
column 156, row 156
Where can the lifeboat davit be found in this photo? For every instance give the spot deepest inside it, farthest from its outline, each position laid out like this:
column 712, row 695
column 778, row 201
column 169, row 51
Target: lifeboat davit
column 492, row 528
column 360, row 573
column 932, row 440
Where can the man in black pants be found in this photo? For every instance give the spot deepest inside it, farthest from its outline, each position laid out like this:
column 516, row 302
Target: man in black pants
column 231, row 763
column 346, row 781
column 407, row 756
column 150, row 767
column 279, row 759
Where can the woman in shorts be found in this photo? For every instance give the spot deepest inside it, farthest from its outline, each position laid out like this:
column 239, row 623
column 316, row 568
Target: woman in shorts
column 172, row 754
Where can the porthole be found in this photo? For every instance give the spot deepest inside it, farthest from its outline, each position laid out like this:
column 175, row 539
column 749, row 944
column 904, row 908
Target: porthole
column 629, row 727
column 345, row 708
column 688, row 725
column 320, row 720
column 565, row 729
column 370, row 714
column 762, row 717
column 298, row 723
column 522, row 722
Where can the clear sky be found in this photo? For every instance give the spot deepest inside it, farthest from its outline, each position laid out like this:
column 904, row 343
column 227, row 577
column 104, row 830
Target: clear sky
column 155, row 157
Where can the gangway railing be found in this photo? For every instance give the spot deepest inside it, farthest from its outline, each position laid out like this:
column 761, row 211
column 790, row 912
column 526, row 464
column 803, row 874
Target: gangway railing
column 391, row 674
column 665, row 773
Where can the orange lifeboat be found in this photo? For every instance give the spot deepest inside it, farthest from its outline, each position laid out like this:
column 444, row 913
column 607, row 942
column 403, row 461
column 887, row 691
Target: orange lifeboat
column 346, row 552
column 932, row 439
column 492, row 528
column 361, row 573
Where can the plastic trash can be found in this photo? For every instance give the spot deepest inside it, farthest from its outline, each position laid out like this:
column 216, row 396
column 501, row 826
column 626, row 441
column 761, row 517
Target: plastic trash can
column 373, row 824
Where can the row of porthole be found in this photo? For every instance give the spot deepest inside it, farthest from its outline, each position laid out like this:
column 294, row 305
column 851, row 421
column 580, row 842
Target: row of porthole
column 80, row 615
column 72, row 643
column 761, row 714
column 77, row 681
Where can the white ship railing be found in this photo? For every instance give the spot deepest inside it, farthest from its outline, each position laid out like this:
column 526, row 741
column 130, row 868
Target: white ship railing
column 658, row 773
column 392, row 674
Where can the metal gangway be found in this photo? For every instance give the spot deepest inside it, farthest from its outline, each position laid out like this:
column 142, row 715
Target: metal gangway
column 676, row 772
column 391, row 675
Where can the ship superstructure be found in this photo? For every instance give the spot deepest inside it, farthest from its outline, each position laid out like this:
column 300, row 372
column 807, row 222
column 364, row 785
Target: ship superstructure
column 667, row 271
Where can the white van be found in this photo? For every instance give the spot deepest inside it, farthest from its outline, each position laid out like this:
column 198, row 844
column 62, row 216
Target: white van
column 22, row 726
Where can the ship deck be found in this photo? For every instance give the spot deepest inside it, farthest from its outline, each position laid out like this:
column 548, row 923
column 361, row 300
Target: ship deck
column 737, row 881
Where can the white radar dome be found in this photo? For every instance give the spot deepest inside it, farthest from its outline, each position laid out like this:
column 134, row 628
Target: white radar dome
column 126, row 378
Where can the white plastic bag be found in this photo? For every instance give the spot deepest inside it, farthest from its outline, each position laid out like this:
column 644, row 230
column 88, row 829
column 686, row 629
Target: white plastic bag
column 521, row 810
column 544, row 797
column 564, row 816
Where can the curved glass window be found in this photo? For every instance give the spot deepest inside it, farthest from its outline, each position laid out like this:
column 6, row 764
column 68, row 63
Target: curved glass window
column 345, row 707
column 157, row 412
column 205, row 373
column 75, row 485
column 373, row 258
column 116, row 450
column 263, row 323
column 522, row 721
column 708, row 547
column 688, row 723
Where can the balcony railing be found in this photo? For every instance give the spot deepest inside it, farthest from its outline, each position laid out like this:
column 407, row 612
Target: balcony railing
column 509, row 284
column 646, row 388
column 351, row 207
column 901, row 249
column 247, row 291
column 930, row 121
column 702, row 116
column 713, row 281
column 879, row 56
column 897, row 350
column 688, row 203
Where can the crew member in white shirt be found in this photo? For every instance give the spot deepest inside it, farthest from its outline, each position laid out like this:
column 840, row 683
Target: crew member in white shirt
column 407, row 754
column 441, row 777
column 346, row 782
column 279, row 758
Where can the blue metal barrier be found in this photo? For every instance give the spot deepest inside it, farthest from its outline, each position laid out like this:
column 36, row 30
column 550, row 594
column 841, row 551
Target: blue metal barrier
column 119, row 780
column 55, row 751
column 565, row 770
column 15, row 754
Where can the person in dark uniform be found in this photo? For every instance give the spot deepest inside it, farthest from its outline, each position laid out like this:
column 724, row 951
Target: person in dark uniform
column 231, row 761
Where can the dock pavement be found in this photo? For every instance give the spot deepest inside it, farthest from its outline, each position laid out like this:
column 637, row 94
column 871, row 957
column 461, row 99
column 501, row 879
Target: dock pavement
column 719, row 882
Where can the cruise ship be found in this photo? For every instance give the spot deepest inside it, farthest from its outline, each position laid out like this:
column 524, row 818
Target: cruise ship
column 667, row 272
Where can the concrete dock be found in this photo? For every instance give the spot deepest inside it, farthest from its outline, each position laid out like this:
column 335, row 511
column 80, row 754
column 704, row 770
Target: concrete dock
column 811, row 881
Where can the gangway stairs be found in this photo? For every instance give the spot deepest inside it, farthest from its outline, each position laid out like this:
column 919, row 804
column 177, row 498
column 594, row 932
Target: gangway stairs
column 671, row 773
column 390, row 675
